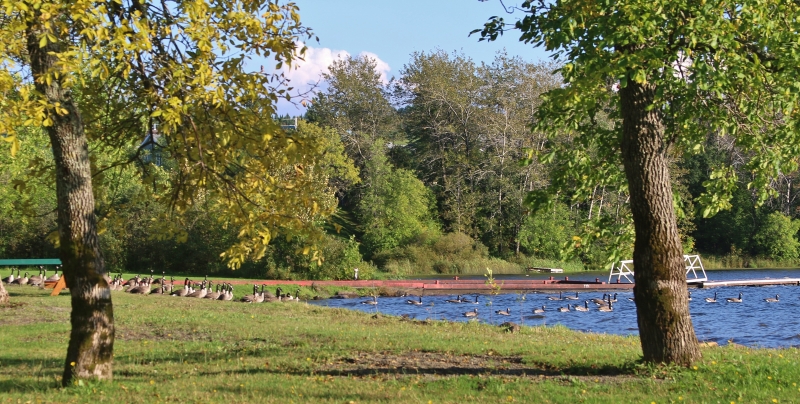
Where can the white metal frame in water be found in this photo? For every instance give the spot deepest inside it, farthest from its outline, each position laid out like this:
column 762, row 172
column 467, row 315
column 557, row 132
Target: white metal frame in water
column 693, row 265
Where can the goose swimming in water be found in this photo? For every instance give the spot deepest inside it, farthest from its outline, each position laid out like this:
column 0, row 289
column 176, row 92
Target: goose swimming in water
column 506, row 312
column 473, row 313
column 555, row 298
column 564, row 309
column 771, row 300
column 538, row 311
column 712, row 299
column 733, row 299
column 415, row 302
column 572, row 297
column 456, row 300
column 584, row 308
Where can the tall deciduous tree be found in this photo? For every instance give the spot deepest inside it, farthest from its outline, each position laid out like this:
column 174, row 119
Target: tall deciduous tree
column 176, row 69
column 355, row 102
column 685, row 70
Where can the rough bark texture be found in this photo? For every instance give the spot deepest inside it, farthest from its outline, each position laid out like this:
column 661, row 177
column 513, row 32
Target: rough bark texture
column 3, row 294
column 90, row 350
column 662, row 306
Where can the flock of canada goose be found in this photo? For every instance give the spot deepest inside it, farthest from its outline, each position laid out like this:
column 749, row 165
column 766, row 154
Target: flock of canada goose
column 137, row 285
column 224, row 291
column 604, row 304
column 36, row 280
column 204, row 289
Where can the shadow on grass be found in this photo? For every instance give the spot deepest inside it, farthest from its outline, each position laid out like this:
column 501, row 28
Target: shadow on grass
column 43, row 374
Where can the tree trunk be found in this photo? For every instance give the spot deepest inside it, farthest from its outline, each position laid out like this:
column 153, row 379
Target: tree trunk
column 90, row 350
column 3, row 294
column 662, row 306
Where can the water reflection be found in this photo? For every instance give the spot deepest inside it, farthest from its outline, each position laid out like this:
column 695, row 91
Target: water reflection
column 753, row 322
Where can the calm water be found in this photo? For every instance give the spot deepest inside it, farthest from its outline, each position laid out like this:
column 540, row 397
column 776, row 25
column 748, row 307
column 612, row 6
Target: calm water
column 753, row 322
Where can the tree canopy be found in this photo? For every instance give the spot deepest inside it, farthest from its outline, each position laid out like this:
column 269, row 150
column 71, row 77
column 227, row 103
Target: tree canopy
column 671, row 74
column 177, row 73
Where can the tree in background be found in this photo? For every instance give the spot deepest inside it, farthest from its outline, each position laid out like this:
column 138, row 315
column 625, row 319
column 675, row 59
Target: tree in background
column 395, row 206
column 776, row 237
column 356, row 104
column 467, row 127
column 175, row 69
column 685, row 70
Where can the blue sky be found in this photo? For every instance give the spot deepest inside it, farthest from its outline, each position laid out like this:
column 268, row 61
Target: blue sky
column 391, row 30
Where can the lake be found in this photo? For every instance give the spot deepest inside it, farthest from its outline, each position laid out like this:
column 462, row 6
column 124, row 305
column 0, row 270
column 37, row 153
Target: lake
column 753, row 322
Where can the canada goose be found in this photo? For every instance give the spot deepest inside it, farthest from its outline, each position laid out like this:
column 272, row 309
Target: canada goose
column 606, row 308
column 465, row 300
column 10, row 279
column 712, row 299
column 632, row 299
column 572, row 297
column 690, row 297
column 200, row 293
column 771, row 300
column 372, row 302
column 506, row 312
column 614, row 299
column 733, row 299
column 142, row 289
column 584, row 308
column 228, row 295
column 564, row 309
column 415, row 302
column 555, row 298
column 538, row 311
column 159, row 290
column 133, row 280
column 259, row 298
column 54, row 278
column 456, row 300
column 600, row 302
column 250, row 298
column 473, row 313
column 213, row 295
column 23, row 280
column 37, row 280
column 185, row 291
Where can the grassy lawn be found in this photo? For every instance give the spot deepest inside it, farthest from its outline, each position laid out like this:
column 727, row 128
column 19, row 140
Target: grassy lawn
column 172, row 349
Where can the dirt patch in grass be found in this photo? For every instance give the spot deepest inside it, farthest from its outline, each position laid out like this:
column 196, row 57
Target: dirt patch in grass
column 443, row 364
column 154, row 333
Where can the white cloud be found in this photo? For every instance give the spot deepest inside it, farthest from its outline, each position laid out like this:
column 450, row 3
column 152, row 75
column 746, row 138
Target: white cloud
column 306, row 74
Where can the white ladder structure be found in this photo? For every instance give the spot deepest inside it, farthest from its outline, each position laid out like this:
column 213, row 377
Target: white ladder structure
column 693, row 265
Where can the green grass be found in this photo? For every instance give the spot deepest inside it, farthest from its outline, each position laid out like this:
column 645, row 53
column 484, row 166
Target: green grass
column 188, row 350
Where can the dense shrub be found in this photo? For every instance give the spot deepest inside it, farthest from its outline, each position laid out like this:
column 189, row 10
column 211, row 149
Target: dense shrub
column 543, row 234
column 776, row 238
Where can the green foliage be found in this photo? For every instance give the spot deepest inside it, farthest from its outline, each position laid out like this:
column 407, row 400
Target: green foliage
column 716, row 68
column 395, row 207
column 776, row 237
column 356, row 104
column 545, row 232
column 342, row 256
column 177, row 70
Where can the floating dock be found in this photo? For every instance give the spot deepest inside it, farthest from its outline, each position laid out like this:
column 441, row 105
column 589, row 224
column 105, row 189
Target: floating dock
column 751, row 282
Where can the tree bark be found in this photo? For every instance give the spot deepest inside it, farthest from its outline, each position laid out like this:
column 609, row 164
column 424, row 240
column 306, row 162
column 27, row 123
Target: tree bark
column 90, row 349
column 662, row 306
column 3, row 294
